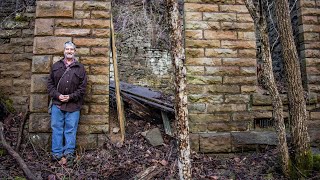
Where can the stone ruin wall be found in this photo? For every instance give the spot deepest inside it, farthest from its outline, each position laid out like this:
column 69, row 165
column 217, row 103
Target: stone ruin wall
column 87, row 24
column 224, row 102
column 226, row 107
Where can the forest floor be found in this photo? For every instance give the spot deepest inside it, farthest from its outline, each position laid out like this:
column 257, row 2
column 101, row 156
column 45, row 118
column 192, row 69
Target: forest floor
column 114, row 161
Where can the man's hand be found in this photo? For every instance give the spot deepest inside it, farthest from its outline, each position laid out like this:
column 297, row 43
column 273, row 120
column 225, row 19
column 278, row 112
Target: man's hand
column 64, row 98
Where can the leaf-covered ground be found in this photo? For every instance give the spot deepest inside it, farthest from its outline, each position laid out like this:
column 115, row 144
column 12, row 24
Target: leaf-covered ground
column 115, row 161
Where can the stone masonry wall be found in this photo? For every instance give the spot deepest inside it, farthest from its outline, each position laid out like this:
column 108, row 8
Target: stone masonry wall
column 16, row 40
column 309, row 46
column 221, row 71
column 87, row 24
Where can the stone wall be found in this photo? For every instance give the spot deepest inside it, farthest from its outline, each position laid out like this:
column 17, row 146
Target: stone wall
column 221, row 71
column 16, row 40
column 87, row 24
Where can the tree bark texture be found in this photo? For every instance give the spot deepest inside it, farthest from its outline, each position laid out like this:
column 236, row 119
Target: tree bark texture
column 267, row 72
column 181, row 110
column 297, row 104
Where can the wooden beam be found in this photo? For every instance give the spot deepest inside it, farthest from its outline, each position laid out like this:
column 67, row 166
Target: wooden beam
column 120, row 111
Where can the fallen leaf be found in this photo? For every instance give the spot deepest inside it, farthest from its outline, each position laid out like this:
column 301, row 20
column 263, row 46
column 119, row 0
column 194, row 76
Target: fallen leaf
column 51, row 177
column 164, row 162
column 63, row 161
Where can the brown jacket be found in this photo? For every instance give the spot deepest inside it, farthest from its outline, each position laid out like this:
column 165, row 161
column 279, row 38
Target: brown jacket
column 73, row 83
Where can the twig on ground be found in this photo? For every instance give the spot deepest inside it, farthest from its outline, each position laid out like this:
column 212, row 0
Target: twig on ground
column 21, row 130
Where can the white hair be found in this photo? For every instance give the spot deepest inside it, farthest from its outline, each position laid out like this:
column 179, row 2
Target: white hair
column 69, row 43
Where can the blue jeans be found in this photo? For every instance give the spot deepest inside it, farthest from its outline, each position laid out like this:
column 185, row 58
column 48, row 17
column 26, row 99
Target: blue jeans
column 64, row 127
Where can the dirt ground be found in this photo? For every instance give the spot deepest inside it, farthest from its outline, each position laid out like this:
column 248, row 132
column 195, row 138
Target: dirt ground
column 116, row 162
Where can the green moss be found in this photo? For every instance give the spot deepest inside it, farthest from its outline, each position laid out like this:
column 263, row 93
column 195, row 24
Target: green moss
column 19, row 178
column 302, row 166
column 20, row 17
column 316, row 162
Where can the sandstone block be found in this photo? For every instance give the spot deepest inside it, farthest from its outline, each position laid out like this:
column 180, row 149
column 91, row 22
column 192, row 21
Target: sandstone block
column 72, row 32
column 44, row 27
column 92, row 5
column 41, row 45
column 81, row 14
column 248, row 89
column 210, row 34
column 95, row 60
column 83, row 51
column 10, row 33
column 99, row 70
column 5, row 83
column 237, row 26
column 212, row 1
column 98, row 79
column 215, row 142
column 96, row 23
column 309, row 28
column 217, row 89
column 309, row 19
column 54, row 9
column 194, row 142
column 41, row 64
column 21, row 83
column 310, row 36
column 87, row 141
column 246, row 36
column 39, row 122
column 20, row 66
column 99, row 109
column 197, row 108
column 237, row 98
column 100, row 51
column 239, row 62
column 193, row 16
column 251, row 80
column 91, row 42
column 198, row 25
column 243, row 116
column 306, row 3
column 5, row 58
column 222, row 71
column 309, row 12
column 238, row 44
column 102, row 138
column 228, row 126
column 208, row 118
column 195, row 70
column 93, row 129
column 315, row 115
column 224, row 53
column 20, row 100
column 11, row 48
column 202, row 43
column 100, row 89
column 248, row 71
column 94, row 119
column 100, row 14
column 39, row 102
column 98, row 99
column 262, row 108
column 248, row 53
column 195, row 7
column 39, row 83
column 226, row 108
column 101, row 33
column 204, row 79
column 204, row 98
column 11, row 24
column 204, row 61
column 195, row 89
column 197, row 128
column 194, row 52
column 210, row 16
column 68, row 23
column 28, row 49
column 258, row 99
column 22, row 57
column 193, row 34
column 233, row 8
column 22, row 41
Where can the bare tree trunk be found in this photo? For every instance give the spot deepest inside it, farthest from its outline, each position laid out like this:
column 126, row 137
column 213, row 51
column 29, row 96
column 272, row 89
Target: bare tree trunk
column 181, row 110
column 267, row 70
column 297, row 109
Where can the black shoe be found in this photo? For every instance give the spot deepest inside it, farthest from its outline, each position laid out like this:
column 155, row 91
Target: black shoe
column 70, row 159
column 55, row 158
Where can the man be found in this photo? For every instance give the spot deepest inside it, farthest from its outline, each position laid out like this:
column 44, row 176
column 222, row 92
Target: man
column 66, row 86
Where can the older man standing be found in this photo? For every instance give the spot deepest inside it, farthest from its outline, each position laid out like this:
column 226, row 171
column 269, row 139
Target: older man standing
column 66, row 86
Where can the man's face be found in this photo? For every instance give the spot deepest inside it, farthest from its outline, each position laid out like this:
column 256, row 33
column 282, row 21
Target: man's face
column 69, row 52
